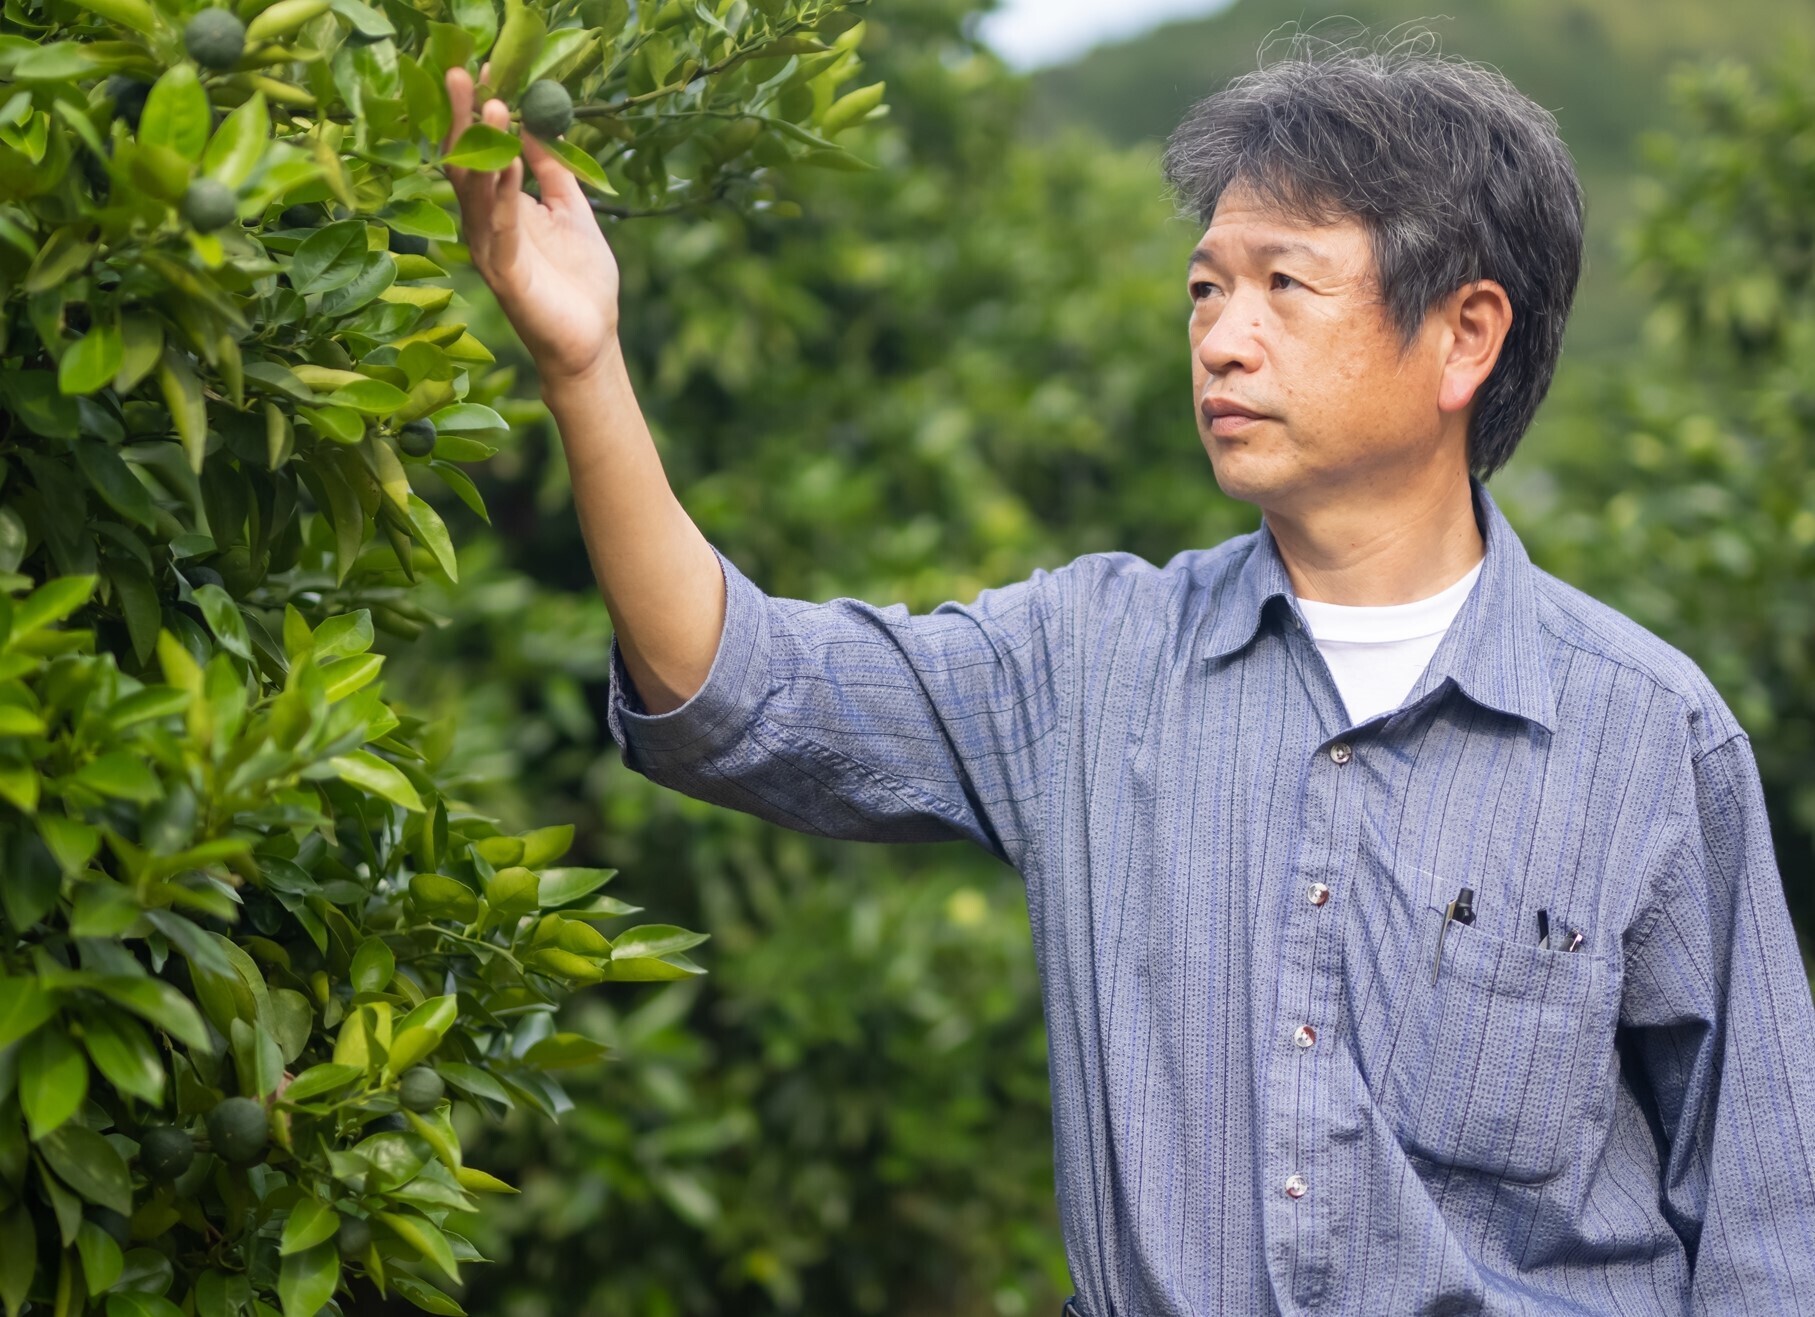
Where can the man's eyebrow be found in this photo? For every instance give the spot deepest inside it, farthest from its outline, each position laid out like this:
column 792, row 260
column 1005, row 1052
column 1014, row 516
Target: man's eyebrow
column 1204, row 256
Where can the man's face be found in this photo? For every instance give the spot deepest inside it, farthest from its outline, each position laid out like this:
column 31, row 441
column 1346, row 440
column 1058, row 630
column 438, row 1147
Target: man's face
column 1286, row 321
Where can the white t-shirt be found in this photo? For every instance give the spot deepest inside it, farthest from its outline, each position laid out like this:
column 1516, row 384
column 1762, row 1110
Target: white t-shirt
column 1378, row 653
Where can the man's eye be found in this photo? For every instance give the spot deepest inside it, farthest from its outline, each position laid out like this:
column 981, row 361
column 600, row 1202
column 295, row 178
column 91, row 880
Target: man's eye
column 1200, row 289
column 1280, row 279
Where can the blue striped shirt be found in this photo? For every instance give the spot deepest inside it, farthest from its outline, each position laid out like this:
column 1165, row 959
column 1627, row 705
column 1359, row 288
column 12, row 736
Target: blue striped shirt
column 1261, row 1101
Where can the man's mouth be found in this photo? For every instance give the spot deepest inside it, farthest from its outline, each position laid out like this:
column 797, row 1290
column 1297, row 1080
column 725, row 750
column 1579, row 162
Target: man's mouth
column 1229, row 418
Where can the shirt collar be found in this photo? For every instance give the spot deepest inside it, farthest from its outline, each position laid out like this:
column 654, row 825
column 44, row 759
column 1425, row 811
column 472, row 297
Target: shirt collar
column 1492, row 649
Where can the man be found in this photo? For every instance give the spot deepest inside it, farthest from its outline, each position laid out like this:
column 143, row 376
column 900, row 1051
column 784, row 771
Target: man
column 1409, row 928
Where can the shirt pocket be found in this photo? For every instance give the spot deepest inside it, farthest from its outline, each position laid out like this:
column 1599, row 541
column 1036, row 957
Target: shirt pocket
column 1495, row 1066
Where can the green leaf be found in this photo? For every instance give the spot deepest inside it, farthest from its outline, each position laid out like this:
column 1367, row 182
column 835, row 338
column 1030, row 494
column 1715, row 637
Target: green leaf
column 562, row 886
column 188, row 405
column 643, row 969
column 124, row 1053
column 585, row 167
column 438, row 897
column 306, row 1280
column 319, row 1079
column 369, row 397
column 425, row 1296
column 432, row 532
column 472, row 1080
column 469, row 418
column 53, row 1080
column 91, row 361
column 409, row 1046
column 239, row 143
column 71, row 842
column 331, row 257
column 484, row 148
column 256, row 1060
column 422, row 218
column 373, row 966
column 160, row 1003
column 24, row 1005
column 50, row 603
column 108, row 473
column 67, row 251
column 343, row 635
column 102, row 1260
column 121, row 775
column 133, row 1303
column 436, row 1015
column 311, row 1222
column 19, row 785
column 224, row 619
column 653, row 940
column 18, row 1257
column 540, row 845
column 422, row 1236
column 512, row 892
column 152, row 702
column 474, row 1180
column 365, row 770
column 176, row 114
column 340, row 424
column 90, row 1165
column 564, row 1051
column 56, row 61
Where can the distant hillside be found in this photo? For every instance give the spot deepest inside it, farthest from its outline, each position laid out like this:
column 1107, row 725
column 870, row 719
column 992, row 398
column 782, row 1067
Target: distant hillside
column 1601, row 66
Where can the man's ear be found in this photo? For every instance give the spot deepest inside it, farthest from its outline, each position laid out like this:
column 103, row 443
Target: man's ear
column 1477, row 316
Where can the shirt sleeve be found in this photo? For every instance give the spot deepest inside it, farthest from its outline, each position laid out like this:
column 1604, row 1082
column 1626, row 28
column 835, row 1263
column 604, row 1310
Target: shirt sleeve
column 1718, row 1001
column 866, row 723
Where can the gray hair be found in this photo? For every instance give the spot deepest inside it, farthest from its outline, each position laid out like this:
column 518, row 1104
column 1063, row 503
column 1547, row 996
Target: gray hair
column 1456, row 174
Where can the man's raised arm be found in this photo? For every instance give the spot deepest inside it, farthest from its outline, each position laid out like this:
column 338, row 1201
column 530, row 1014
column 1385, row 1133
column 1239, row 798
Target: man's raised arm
column 556, row 279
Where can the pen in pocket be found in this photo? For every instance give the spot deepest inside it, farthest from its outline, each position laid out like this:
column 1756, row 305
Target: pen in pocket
column 1566, row 939
column 1462, row 911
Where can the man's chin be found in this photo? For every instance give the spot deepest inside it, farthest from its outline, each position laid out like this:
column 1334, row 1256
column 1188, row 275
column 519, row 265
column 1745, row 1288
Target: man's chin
column 1241, row 473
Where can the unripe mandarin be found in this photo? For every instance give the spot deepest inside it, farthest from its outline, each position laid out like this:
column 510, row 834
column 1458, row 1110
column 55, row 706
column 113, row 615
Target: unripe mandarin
column 215, row 39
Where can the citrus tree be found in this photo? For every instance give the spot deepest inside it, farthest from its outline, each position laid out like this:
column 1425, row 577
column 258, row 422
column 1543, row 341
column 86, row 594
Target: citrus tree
column 1681, row 488
column 256, row 951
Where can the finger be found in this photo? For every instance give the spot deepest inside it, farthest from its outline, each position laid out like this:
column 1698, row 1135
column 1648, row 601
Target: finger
column 460, row 117
column 506, row 189
column 460, row 108
column 560, row 189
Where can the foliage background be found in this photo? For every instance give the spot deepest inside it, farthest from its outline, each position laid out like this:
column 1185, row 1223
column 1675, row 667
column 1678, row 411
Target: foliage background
column 970, row 363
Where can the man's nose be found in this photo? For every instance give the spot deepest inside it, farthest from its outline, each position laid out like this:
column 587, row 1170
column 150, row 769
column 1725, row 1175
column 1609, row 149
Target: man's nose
column 1233, row 340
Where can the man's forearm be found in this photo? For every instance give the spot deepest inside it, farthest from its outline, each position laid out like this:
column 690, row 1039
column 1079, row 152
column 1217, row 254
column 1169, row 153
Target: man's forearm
column 660, row 577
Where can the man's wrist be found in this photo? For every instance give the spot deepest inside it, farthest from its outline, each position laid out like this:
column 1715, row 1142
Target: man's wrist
column 560, row 385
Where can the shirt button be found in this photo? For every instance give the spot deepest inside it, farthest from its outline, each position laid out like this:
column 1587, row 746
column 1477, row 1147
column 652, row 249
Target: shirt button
column 1318, row 894
column 1304, row 1035
column 1296, row 1185
column 1341, row 753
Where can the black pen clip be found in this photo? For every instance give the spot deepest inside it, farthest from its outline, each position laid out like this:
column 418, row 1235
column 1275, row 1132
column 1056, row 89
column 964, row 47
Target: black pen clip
column 1462, row 910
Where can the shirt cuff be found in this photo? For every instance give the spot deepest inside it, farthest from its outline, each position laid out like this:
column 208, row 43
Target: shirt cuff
column 721, row 710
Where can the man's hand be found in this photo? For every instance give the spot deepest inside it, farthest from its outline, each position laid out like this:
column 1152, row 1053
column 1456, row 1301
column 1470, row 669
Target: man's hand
column 547, row 262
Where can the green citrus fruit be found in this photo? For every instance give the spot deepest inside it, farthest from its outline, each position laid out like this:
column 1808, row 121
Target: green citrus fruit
column 547, row 108
column 239, row 1131
column 408, row 244
column 417, row 438
column 128, row 97
column 420, row 1089
column 353, row 1237
column 215, row 39
column 166, row 1152
column 209, row 204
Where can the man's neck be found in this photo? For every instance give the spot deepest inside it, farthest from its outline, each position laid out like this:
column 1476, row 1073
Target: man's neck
column 1371, row 551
